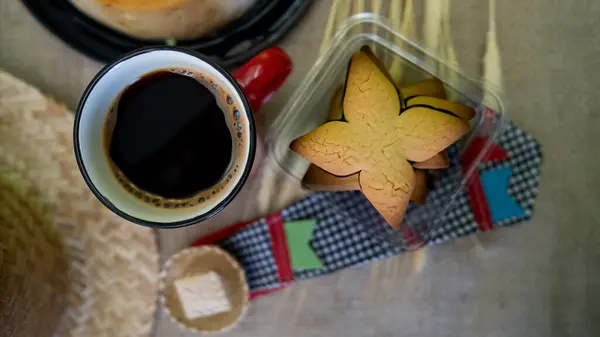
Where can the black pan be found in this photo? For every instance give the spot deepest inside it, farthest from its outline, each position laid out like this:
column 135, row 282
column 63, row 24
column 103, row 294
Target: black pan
column 240, row 40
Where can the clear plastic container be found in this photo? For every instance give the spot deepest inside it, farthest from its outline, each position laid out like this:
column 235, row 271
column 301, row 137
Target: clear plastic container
column 308, row 108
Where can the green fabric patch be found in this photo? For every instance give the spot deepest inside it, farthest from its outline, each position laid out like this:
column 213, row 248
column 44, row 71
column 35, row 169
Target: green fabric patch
column 298, row 234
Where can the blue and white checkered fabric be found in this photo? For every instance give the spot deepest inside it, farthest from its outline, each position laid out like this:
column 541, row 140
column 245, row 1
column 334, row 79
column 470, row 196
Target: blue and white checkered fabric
column 351, row 232
column 252, row 248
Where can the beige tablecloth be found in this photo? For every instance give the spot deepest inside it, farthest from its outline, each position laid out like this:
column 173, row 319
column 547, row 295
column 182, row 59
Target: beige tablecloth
column 541, row 278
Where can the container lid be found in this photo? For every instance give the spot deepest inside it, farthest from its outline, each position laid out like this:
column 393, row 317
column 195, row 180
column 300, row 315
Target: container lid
column 408, row 63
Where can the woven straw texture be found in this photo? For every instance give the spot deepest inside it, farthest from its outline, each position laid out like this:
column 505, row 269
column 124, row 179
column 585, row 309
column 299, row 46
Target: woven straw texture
column 32, row 268
column 113, row 265
column 200, row 260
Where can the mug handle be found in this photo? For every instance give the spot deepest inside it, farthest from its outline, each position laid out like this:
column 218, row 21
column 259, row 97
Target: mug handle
column 263, row 75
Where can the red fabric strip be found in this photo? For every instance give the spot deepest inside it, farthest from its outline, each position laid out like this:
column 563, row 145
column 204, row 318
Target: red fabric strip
column 278, row 245
column 280, row 248
column 256, row 294
column 220, row 235
column 481, row 210
column 479, row 205
column 412, row 239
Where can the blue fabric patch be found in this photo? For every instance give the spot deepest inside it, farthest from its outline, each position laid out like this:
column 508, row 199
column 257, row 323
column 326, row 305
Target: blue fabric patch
column 495, row 186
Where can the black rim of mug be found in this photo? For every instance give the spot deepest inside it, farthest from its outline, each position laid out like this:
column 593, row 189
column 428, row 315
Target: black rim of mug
column 183, row 223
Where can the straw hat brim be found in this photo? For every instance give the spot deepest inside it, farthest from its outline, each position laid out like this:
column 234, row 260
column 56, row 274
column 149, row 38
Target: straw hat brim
column 113, row 264
column 33, row 268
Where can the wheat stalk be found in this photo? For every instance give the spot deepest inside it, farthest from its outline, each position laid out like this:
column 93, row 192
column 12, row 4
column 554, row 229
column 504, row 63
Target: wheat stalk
column 449, row 56
column 359, row 6
column 432, row 26
column 376, row 7
column 408, row 23
column 492, row 65
column 396, row 19
column 331, row 23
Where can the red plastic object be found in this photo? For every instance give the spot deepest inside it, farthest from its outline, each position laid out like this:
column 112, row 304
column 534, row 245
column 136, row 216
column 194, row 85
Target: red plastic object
column 263, row 75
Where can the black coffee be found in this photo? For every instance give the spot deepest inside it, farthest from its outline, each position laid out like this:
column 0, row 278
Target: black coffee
column 170, row 136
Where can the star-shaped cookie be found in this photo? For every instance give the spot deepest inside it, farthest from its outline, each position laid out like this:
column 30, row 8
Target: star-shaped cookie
column 429, row 93
column 378, row 139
